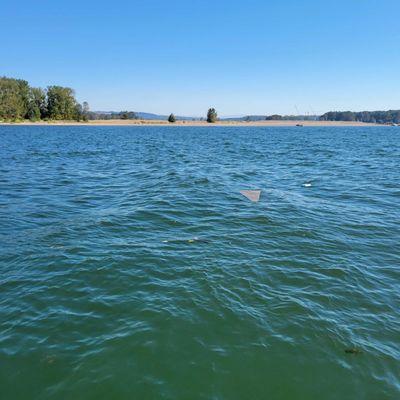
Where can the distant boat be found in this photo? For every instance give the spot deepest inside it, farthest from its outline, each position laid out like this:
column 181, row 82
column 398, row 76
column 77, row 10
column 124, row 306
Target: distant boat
column 299, row 125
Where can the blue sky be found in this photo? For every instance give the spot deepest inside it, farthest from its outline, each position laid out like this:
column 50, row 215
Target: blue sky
column 242, row 57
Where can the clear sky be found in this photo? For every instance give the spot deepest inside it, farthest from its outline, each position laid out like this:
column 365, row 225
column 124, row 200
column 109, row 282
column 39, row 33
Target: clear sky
column 242, row 57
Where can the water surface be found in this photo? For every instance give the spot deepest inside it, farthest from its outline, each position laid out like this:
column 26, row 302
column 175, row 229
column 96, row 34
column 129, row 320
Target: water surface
column 132, row 268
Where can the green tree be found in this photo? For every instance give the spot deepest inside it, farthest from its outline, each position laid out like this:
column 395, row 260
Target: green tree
column 33, row 112
column 274, row 117
column 61, row 103
column 24, row 94
column 78, row 115
column 212, row 115
column 125, row 115
column 14, row 98
column 85, row 107
column 85, row 110
column 172, row 118
column 37, row 107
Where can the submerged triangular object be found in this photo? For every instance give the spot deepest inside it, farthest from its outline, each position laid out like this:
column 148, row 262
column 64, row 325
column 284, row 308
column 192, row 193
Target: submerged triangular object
column 253, row 195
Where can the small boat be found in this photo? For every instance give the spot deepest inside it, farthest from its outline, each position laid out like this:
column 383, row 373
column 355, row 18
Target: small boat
column 299, row 125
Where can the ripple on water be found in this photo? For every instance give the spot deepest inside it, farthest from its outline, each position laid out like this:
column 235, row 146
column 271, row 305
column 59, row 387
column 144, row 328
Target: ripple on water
column 131, row 265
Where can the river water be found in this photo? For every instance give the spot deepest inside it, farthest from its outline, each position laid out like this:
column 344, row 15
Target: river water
column 131, row 267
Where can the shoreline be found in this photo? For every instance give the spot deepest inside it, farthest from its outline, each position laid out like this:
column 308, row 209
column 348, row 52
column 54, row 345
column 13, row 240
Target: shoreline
column 121, row 122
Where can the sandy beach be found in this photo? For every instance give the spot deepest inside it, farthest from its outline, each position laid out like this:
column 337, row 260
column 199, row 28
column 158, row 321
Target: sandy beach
column 130, row 122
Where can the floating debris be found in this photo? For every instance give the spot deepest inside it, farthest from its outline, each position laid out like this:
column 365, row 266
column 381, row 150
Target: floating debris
column 307, row 184
column 353, row 351
column 252, row 195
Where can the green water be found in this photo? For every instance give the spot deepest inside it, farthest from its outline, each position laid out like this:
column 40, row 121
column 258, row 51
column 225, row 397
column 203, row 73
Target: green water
column 132, row 268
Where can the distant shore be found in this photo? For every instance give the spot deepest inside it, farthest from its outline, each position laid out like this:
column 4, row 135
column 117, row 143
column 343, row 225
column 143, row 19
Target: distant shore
column 131, row 122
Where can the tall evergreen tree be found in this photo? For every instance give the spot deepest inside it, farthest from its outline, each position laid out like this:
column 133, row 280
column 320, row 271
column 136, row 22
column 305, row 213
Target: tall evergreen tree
column 85, row 110
column 212, row 115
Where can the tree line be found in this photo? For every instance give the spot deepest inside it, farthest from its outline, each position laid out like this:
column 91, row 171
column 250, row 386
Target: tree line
column 212, row 116
column 97, row 115
column 278, row 117
column 376, row 117
column 19, row 101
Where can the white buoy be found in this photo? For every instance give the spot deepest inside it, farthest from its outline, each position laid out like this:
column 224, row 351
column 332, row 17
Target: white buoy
column 252, row 195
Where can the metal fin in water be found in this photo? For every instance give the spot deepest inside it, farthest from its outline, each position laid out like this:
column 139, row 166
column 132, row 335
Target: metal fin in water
column 252, row 195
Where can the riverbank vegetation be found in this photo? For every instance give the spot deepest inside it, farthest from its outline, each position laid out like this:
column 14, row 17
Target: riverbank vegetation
column 19, row 101
column 375, row 117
